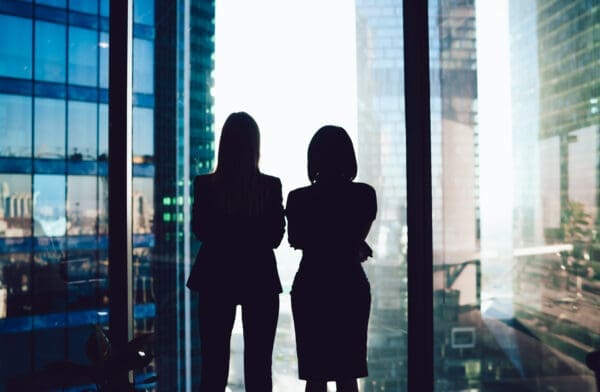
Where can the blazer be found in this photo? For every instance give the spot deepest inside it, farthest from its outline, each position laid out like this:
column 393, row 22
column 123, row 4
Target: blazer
column 236, row 258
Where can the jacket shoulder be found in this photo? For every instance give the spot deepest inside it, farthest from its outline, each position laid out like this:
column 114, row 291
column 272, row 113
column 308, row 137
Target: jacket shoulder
column 270, row 180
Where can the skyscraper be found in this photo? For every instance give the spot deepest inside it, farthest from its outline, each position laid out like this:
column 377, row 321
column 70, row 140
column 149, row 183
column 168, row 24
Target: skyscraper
column 53, row 176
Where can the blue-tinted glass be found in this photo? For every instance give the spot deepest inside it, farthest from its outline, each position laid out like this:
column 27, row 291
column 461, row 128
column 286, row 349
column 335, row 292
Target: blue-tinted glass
column 143, row 66
column 49, row 207
column 87, row 6
column 82, row 207
column 83, row 56
column 143, row 133
column 50, row 52
column 102, row 132
column 15, row 126
column 16, row 205
column 104, row 37
column 104, row 7
column 53, row 3
column 15, row 50
column 143, row 12
column 143, row 205
column 82, row 130
column 49, row 128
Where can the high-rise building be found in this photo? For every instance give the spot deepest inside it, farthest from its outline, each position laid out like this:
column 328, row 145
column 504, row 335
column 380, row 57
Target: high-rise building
column 381, row 155
column 54, row 170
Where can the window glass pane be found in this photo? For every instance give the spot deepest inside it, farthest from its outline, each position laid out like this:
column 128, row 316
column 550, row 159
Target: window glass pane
column 83, row 56
column 15, row 125
column 143, row 66
column 49, row 128
column 143, row 124
column 359, row 80
column 16, row 205
column 104, row 7
column 83, row 124
column 50, row 52
column 143, row 12
column 82, row 208
column 87, row 6
column 49, row 205
column 15, row 302
column 104, row 40
column 102, row 132
column 515, row 152
column 53, row 3
column 143, row 205
column 15, row 51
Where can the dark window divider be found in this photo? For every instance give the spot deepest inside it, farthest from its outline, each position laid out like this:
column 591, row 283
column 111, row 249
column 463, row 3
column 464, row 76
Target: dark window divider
column 120, row 182
column 418, row 177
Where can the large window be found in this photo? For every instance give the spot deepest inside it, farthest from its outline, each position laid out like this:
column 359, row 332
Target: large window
column 515, row 146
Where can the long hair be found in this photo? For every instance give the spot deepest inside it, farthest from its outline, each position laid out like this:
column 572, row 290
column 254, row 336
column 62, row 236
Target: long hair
column 237, row 171
column 331, row 155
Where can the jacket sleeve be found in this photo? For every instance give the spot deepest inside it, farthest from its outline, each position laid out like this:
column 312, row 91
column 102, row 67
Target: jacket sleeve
column 294, row 220
column 275, row 218
column 201, row 212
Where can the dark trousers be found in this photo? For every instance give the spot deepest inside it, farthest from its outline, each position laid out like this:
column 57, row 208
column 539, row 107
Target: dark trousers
column 259, row 318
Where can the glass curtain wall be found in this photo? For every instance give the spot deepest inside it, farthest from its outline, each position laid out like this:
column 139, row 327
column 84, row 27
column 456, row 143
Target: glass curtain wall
column 54, row 180
column 515, row 125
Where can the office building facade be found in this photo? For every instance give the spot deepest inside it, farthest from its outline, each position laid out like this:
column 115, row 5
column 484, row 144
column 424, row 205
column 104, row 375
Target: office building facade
column 54, row 177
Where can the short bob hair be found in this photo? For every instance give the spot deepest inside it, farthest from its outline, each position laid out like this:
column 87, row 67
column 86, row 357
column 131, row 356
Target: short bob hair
column 331, row 155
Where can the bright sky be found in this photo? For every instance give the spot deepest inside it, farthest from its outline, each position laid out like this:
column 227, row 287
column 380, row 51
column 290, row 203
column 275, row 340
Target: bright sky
column 291, row 65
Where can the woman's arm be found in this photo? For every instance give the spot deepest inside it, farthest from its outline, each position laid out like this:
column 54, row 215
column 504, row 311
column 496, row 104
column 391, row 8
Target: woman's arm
column 274, row 216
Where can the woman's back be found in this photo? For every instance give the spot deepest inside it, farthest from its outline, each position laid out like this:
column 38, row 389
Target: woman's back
column 330, row 217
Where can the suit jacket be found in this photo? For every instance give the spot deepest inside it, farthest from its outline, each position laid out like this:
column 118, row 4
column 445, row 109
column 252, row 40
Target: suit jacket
column 236, row 259
column 329, row 222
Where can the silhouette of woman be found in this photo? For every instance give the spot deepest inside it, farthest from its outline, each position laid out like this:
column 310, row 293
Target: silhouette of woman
column 238, row 216
column 329, row 220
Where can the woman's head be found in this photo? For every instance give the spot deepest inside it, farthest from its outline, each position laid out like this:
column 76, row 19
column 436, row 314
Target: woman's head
column 239, row 147
column 331, row 155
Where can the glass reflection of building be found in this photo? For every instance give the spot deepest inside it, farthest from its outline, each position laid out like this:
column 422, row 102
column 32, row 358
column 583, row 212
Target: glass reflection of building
column 381, row 154
column 54, row 168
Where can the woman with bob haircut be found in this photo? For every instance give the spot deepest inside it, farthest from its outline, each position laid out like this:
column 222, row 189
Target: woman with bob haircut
column 329, row 221
column 238, row 216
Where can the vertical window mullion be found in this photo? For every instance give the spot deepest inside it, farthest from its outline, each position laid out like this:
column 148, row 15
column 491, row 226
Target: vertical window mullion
column 120, row 180
column 419, row 204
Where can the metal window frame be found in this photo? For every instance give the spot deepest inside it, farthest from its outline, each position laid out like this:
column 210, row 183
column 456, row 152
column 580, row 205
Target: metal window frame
column 418, row 187
column 120, row 182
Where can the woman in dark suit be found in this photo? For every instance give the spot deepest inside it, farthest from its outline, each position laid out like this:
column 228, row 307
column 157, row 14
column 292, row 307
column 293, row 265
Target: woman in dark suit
column 238, row 216
column 329, row 221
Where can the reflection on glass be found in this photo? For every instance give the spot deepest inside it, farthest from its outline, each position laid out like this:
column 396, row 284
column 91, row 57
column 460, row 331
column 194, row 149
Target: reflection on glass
column 103, row 45
column 381, row 158
column 82, row 209
column 83, row 56
column 143, row 12
column 16, row 205
column 143, row 124
column 49, row 205
column 102, row 205
column 15, row 51
column 102, row 132
column 143, row 205
column 49, row 128
column 82, row 142
column 15, row 285
column 143, row 66
column 515, row 138
column 50, row 52
column 15, row 125
column 49, row 281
